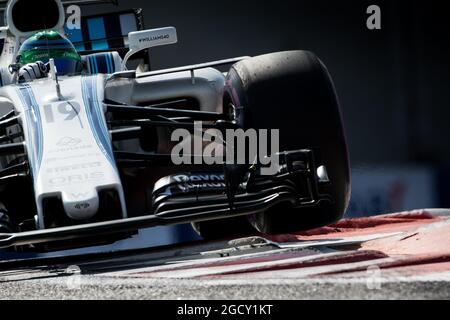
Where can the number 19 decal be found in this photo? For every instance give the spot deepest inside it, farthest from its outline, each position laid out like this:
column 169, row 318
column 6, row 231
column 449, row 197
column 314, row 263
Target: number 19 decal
column 67, row 111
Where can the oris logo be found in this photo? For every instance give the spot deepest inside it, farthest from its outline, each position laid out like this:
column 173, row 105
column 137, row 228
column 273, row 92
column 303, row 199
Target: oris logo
column 77, row 178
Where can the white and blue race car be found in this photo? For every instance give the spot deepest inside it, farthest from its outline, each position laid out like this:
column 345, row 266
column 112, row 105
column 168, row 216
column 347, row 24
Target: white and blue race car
column 88, row 158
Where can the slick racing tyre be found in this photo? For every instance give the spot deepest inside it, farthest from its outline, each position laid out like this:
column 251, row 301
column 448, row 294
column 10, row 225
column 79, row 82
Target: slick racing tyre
column 293, row 92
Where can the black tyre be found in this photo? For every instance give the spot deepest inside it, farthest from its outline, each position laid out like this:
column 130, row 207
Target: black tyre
column 293, row 91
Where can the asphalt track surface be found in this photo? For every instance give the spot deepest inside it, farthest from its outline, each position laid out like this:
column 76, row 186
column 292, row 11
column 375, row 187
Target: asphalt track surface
column 399, row 256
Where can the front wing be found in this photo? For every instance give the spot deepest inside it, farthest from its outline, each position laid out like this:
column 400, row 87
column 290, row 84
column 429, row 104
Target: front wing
column 296, row 182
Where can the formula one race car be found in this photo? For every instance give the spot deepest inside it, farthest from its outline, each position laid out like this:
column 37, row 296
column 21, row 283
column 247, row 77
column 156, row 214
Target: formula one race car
column 92, row 156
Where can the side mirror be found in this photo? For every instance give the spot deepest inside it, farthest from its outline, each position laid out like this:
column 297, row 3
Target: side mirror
column 141, row 40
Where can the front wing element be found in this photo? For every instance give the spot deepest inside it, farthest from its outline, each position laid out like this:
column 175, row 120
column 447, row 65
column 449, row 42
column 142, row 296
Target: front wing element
column 183, row 199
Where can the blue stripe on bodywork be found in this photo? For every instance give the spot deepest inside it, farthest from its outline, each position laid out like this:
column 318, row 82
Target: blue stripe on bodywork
column 41, row 130
column 99, row 120
column 94, row 62
column 90, row 64
column 35, row 132
column 93, row 65
column 112, row 64
column 95, row 117
column 101, row 63
column 108, row 63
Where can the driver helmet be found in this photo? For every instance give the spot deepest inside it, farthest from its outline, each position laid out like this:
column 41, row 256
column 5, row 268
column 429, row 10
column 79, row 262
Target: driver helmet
column 48, row 44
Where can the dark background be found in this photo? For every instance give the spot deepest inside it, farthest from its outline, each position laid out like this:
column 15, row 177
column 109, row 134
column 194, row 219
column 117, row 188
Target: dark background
column 394, row 83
